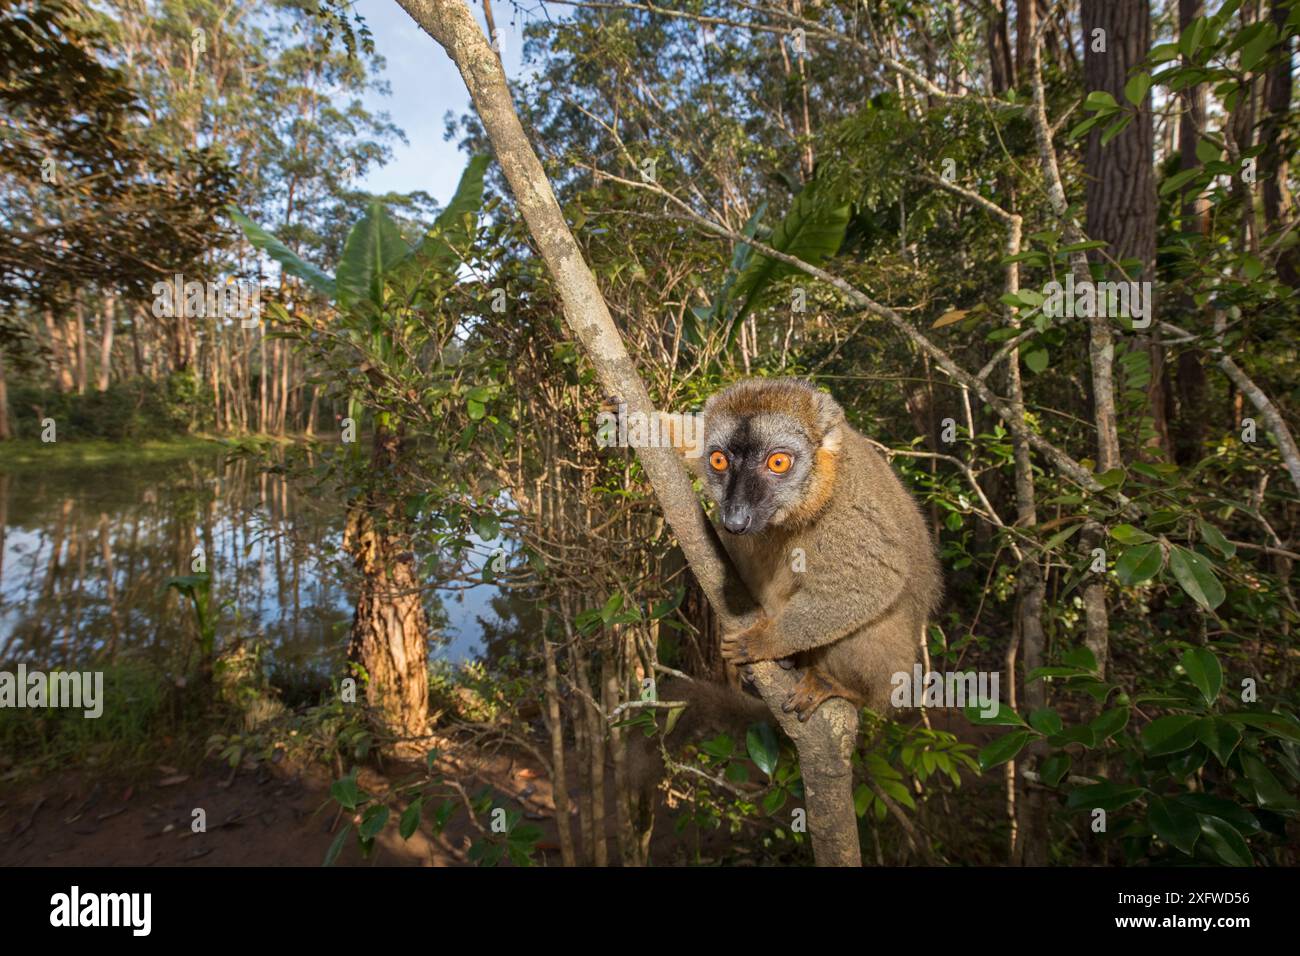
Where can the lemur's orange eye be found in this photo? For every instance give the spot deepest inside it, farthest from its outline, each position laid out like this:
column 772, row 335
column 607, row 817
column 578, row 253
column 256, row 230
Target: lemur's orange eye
column 779, row 462
column 718, row 461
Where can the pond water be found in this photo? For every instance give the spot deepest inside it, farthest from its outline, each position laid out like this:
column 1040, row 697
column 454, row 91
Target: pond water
column 86, row 553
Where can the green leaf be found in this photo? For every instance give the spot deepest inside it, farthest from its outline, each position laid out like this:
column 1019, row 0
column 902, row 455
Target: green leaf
column 1204, row 671
column 1213, row 537
column 1178, row 180
column 316, row 278
column 1173, row 823
column 1003, row 717
column 1003, row 749
column 1258, row 46
column 336, row 846
column 862, row 797
column 346, row 792
column 1169, row 735
column 1100, row 100
column 1110, row 722
column 1115, row 128
column 1135, row 90
column 373, row 250
column 444, row 243
column 737, row 773
column 1127, row 534
column 1240, row 818
column 1220, row 736
column 372, row 821
column 1196, row 576
column 1104, row 796
column 775, row 800
column 1275, row 724
column 410, row 821
column 1139, row 564
column 1058, row 539
column 1190, row 38
column 1046, row 721
column 812, row 231
column 1225, row 842
column 720, row 746
column 1207, row 151
column 673, row 716
column 487, row 526
column 1080, row 657
column 1082, row 734
column 1055, row 768
column 741, row 255
column 1035, row 357
column 1268, row 791
column 763, row 747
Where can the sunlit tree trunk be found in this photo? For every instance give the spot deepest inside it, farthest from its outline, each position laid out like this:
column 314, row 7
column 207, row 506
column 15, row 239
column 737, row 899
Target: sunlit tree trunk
column 390, row 630
column 109, row 315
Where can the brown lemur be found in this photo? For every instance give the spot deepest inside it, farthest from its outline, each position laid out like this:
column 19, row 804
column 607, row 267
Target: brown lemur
column 825, row 536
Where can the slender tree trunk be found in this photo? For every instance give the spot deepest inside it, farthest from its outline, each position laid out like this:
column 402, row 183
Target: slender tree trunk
column 261, row 381
column 1188, row 429
column 58, row 352
column 79, row 346
column 559, row 775
column 826, row 742
column 1032, row 838
column 136, row 354
column 1274, row 162
column 1001, row 66
column 106, row 341
column 6, row 432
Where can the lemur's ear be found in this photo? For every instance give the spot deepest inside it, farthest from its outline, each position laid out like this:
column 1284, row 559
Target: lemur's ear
column 829, row 416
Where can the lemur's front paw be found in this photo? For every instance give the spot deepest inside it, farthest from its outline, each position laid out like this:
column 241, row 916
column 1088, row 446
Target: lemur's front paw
column 755, row 643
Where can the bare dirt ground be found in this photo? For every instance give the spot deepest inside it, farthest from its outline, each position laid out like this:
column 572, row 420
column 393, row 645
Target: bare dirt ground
column 283, row 815
column 267, row 816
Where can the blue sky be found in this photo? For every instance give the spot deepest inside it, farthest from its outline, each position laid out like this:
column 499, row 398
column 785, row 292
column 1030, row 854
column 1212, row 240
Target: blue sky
column 424, row 86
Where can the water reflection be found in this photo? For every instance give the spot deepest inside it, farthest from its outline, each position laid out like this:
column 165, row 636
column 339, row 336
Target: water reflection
column 86, row 552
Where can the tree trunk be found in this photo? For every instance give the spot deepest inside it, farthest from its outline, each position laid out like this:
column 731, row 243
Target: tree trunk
column 559, row 770
column 79, row 346
column 1121, row 197
column 106, row 341
column 1274, row 161
column 1187, row 432
column 5, row 432
column 1121, row 204
column 826, row 742
column 390, row 631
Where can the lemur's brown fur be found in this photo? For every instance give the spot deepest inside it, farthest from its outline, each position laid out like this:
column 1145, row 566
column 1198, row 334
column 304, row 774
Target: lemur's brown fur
column 854, row 615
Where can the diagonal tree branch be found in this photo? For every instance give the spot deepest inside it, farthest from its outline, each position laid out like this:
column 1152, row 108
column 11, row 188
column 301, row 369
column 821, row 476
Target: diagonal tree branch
column 825, row 743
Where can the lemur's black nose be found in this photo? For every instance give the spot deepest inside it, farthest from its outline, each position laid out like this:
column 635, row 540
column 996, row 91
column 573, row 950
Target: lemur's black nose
column 737, row 518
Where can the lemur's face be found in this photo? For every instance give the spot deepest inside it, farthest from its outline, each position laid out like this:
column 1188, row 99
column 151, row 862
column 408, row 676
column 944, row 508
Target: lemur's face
column 756, row 467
